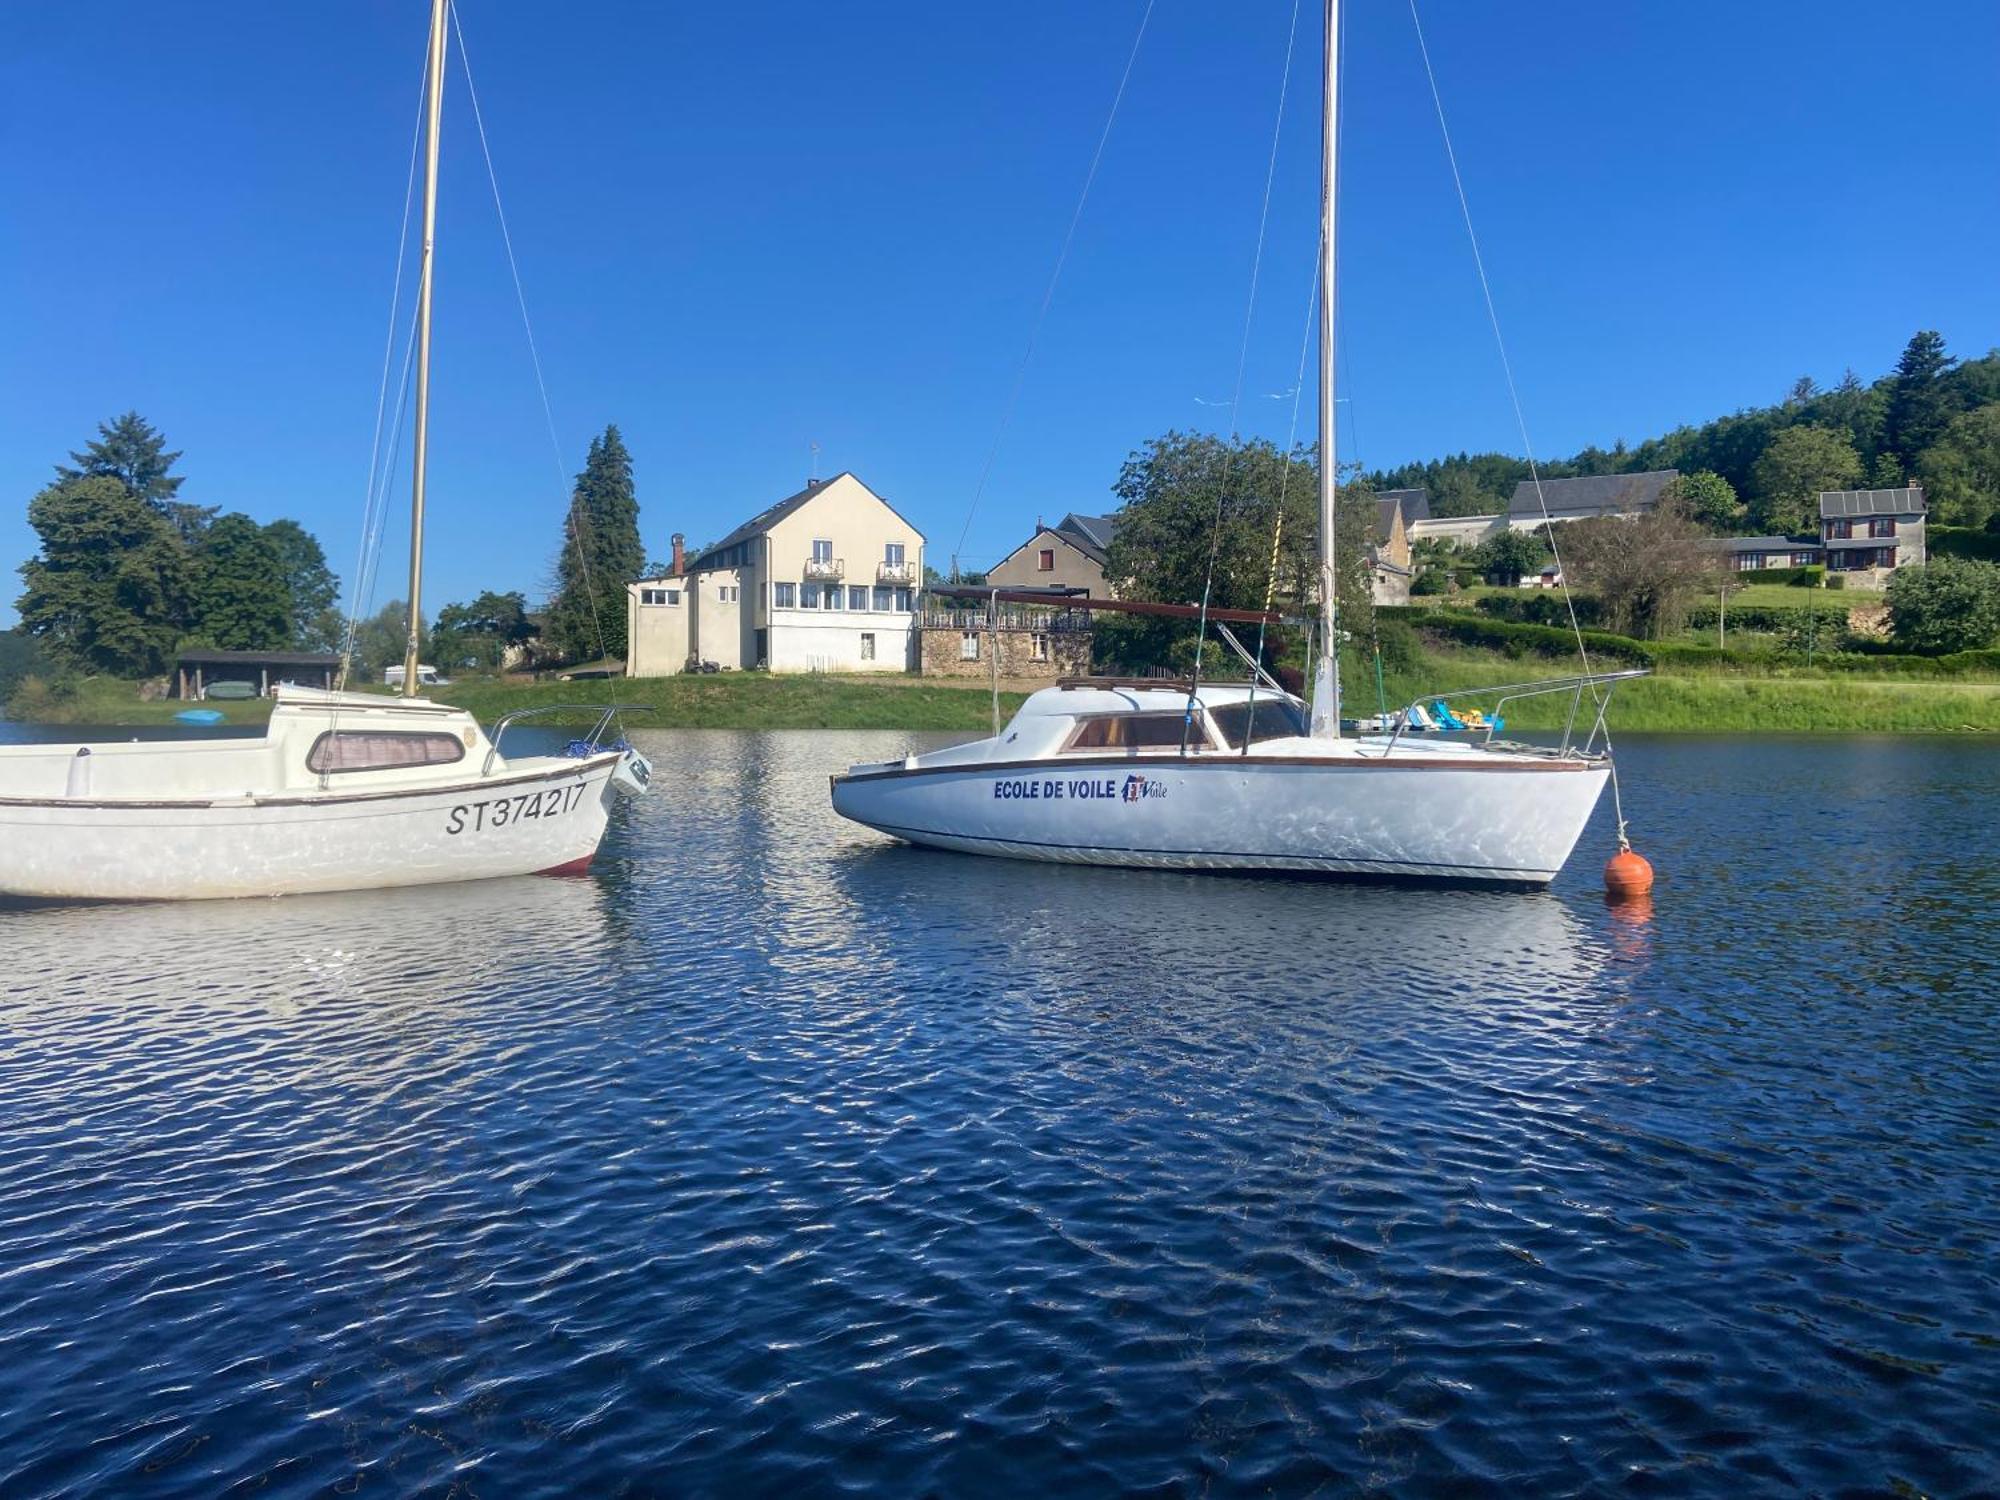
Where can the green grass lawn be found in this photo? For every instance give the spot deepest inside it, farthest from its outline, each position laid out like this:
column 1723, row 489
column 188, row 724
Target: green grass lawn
column 1786, row 699
column 751, row 700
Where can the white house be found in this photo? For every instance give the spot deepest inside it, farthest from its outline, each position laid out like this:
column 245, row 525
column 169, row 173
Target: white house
column 824, row 581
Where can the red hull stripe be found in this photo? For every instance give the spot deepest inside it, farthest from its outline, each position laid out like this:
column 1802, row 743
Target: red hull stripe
column 574, row 867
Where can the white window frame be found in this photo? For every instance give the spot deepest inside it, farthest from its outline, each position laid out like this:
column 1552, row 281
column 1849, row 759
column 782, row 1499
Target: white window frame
column 892, row 554
column 868, row 645
column 968, row 645
column 822, row 549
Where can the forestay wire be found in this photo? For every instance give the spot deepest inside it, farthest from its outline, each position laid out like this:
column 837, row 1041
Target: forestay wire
column 1514, row 396
column 1236, row 397
column 375, row 503
column 576, row 520
column 1055, row 277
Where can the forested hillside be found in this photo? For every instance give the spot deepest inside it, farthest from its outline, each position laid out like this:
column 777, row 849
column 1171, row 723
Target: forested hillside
column 1933, row 420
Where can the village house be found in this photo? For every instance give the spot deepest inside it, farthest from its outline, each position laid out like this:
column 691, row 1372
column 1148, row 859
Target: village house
column 1871, row 533
column 1068, row 555
column 1586, row 498
column 824, row 581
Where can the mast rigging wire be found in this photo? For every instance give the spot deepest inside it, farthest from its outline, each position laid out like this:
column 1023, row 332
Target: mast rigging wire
column 575, row 517
column 1055, row 276
column 1514, row 395
column 1236, row 396
column 371, row 521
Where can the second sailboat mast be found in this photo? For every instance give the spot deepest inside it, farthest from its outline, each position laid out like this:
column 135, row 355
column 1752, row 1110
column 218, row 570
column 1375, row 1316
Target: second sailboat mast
column 1326, row 681
column 434, row 99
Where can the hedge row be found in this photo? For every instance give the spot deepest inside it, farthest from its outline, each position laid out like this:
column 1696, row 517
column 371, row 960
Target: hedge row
column 1767, row 617
column 1540, row 608
column 1521, row 639
column 1963, row 541
column 1517, row 639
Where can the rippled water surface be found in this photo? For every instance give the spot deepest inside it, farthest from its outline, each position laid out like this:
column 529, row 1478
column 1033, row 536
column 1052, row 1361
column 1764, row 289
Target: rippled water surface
column 775, row 1158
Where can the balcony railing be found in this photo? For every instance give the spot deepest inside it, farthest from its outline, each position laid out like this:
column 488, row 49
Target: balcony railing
column 895, row 572
column 821, row 569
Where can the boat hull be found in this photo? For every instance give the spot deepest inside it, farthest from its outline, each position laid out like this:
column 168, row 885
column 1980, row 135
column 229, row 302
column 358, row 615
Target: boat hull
column 549, row 821
column 1511, row 821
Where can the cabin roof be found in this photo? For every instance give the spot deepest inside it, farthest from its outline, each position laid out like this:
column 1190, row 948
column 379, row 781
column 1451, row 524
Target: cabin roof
column 204, row 656
column 1909, row 501
column 1591, row 494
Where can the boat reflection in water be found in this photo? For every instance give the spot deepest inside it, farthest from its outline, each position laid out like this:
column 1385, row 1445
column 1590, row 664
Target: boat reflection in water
column 364, row 958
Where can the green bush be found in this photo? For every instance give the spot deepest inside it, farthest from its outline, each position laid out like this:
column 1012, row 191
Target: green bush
column 1951, row 605
column 1431, row 581
column 1963, row 541
column 1523, row 639
column 1799, row 578
column 1540, row 608
column 1770, row 619
column 1835, row 581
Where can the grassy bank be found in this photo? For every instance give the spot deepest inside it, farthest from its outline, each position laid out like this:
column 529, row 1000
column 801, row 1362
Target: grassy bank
column 1692, row 701
column 753, row 700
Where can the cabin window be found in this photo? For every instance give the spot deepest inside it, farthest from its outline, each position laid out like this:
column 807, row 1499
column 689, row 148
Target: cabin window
column 1045, row 561
column 1251, row 723
column 867, row 645
column 968, row 646
column 1137, row 732
column 373, row 750
column 785, row 595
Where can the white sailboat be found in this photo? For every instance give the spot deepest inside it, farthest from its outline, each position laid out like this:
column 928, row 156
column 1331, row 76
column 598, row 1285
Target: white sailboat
column 1243, row 776
column 344, row 791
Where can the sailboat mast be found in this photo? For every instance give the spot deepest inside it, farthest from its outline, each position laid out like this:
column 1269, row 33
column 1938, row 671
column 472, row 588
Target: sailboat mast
column 1326, row 680
column 435, row 108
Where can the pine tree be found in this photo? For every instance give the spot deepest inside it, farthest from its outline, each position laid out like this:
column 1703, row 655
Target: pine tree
column 132, row 451
column 601, row 553
column 1920, row 403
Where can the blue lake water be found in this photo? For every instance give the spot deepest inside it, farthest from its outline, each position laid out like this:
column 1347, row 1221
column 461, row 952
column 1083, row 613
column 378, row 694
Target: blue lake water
column 775, row 1158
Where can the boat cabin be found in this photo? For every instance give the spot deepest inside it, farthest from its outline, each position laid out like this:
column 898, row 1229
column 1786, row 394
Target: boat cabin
column 316, row 742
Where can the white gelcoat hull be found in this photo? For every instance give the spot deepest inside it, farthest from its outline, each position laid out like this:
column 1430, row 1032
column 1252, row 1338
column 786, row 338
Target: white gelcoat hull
column 527, row 822
column 1483, row 822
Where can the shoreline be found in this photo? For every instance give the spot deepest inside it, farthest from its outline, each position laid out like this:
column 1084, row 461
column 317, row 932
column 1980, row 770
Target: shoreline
column 1664, row 704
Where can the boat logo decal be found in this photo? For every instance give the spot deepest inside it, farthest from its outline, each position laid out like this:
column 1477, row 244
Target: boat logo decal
column 1134, row 788
column 498, row 812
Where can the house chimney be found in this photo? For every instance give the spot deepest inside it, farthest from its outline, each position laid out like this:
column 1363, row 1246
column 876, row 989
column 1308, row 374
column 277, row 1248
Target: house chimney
column 680, row 554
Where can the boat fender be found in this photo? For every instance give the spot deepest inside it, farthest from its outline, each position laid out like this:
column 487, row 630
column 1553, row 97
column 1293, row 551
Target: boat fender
column 78, row 784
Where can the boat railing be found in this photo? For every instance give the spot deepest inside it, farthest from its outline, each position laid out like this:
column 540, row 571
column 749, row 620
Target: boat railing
column 1507, row 693
column 604, row 717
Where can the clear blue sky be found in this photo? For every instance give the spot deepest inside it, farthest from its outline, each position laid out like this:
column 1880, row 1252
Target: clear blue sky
column 747, row 228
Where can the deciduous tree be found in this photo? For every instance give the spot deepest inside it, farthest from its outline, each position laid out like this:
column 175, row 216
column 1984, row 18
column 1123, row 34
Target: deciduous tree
column 316, row 623
column 112, row 583
column 1709, row 498
column 1646, row 570
column 479, row 634
column 241, row 600
column 1951, row 604
column 1961, row 470
column 1799, row 463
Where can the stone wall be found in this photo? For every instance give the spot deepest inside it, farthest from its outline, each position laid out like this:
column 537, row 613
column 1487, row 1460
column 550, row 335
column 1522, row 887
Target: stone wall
column 942, row 652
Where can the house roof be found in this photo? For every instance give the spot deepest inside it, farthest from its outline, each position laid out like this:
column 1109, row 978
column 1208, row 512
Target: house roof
column 1904, row 502
column 765, row 519
column 1091, row 535
column 1591, row 495
column 206, row 657
column 1415, row 505
column 1764, row 543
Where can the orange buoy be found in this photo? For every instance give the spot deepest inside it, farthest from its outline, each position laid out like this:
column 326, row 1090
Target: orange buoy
column 1627, row 875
